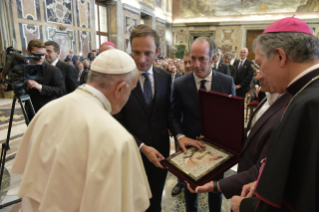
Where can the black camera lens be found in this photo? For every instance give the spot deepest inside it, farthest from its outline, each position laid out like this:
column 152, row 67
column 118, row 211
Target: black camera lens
column 32, row 72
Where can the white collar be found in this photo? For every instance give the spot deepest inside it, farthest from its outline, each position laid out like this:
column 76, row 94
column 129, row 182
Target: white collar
column 55, row 62
column 150, row 71
column 98, row 94
column 208, row 78
column 308, row 70
column 272, row 97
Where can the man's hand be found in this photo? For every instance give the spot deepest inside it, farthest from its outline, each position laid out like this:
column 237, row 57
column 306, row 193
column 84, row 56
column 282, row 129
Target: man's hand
column 237, row 87
column 33, row 84
column 235, row 203
column 152, row 155
column 208, row 187
column 248, row 189
column 185, row 141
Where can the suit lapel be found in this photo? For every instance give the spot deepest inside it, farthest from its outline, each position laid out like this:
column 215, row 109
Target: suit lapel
column 191, row 86
column 159, row 85
column 138, row 93
column 216, row 83
column 272, row 110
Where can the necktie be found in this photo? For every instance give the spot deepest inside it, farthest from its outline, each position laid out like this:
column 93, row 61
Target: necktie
column 228, row 73
column 147, row 89
column 240, row 65
column 202, row 84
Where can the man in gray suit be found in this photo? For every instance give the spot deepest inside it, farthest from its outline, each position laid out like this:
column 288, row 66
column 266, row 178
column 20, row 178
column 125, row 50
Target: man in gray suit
column 262, row 123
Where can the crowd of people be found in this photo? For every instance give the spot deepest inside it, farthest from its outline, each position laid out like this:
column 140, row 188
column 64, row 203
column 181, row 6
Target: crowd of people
column 100, row 147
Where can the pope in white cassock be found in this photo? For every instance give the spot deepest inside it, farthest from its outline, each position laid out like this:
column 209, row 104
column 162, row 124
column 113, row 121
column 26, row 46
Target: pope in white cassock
column 75, row 156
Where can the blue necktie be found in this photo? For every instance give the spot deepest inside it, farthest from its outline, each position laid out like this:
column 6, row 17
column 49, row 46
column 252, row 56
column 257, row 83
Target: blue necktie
column 228, row 73
column 147, row 89
column 240, row 65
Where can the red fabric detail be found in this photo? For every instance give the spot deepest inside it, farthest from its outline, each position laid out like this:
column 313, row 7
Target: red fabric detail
column 222, row 119
column 253, row 104
column 288, row 206
column 267, row 201
column 257, row 205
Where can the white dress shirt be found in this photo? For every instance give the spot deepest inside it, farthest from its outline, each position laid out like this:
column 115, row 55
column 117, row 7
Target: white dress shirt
column 208, row 83
column 242, row 62
column 55, row 62
column 142, row 79
column 271, row 98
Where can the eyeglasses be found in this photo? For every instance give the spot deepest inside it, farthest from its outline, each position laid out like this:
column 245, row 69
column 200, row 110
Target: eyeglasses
column 255, row 67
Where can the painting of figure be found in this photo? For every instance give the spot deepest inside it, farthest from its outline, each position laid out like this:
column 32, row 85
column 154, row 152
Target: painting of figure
column 130, row 24
column 198, row 163
column 201, row 8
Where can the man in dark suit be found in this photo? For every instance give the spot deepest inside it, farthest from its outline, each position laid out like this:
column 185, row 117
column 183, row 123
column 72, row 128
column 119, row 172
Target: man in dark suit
column 233, row 59
column 260, row 127
column 82, row 74
column 71, row 57
column 218, row 64
column 69, row 72
column 244, row 73
column 185, row 103
column 147, row 115
column 226, row 61
column 48, row 88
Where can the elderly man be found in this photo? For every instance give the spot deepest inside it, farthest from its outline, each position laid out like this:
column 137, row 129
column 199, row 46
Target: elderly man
column 71, row 57
column 218, row 64
column 185, row 104
column 260, row 127
column 288, row 56
column 231, row 69
column 91, row 163
column 107, row 46
column 244, row 73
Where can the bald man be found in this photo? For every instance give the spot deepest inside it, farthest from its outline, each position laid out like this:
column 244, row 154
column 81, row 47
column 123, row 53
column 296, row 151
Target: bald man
column 244, row 73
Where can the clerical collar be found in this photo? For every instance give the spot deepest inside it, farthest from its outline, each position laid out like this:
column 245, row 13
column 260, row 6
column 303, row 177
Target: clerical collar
column 97, row 94
column 302, row 79
column 272, row 97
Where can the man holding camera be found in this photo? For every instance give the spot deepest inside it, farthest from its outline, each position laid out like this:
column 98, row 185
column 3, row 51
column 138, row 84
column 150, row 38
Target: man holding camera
column 48, row 87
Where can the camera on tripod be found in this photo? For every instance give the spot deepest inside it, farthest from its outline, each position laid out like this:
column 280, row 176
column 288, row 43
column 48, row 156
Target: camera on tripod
column 15, row 69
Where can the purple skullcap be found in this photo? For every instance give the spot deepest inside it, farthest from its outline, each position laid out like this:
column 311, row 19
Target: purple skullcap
column 290, row 24
column 109, row 43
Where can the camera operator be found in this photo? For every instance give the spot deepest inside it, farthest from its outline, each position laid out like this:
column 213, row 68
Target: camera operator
column 48, row 88
column 69, row 73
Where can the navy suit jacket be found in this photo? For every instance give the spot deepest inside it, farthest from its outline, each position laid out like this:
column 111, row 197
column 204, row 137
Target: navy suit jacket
column 185, row 102
column 149, row 125
column 74, row 59
column 244, row 77
column 255, row 147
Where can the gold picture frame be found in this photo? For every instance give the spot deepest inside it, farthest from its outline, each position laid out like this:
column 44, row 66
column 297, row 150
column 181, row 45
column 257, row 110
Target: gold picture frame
column 197, row 164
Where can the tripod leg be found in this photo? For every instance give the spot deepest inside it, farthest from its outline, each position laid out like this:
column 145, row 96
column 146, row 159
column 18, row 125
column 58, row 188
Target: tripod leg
column 27, row 121
column 6, row 146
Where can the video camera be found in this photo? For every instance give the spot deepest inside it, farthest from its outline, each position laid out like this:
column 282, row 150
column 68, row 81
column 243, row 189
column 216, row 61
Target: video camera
column 15, row 69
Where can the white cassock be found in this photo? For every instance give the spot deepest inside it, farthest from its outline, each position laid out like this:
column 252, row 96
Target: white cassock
column 75, row 156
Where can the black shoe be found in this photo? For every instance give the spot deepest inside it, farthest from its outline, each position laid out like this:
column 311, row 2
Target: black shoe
column 177, row 189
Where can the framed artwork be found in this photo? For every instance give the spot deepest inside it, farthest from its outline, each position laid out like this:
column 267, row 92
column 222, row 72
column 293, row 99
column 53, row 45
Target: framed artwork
column 197, row 164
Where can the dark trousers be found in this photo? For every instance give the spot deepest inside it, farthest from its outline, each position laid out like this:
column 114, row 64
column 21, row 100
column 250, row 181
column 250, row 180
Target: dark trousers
column 214, row 200
column 156, row 179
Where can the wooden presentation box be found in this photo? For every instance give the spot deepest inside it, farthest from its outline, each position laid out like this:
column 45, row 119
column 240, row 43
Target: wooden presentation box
column 222, row 125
